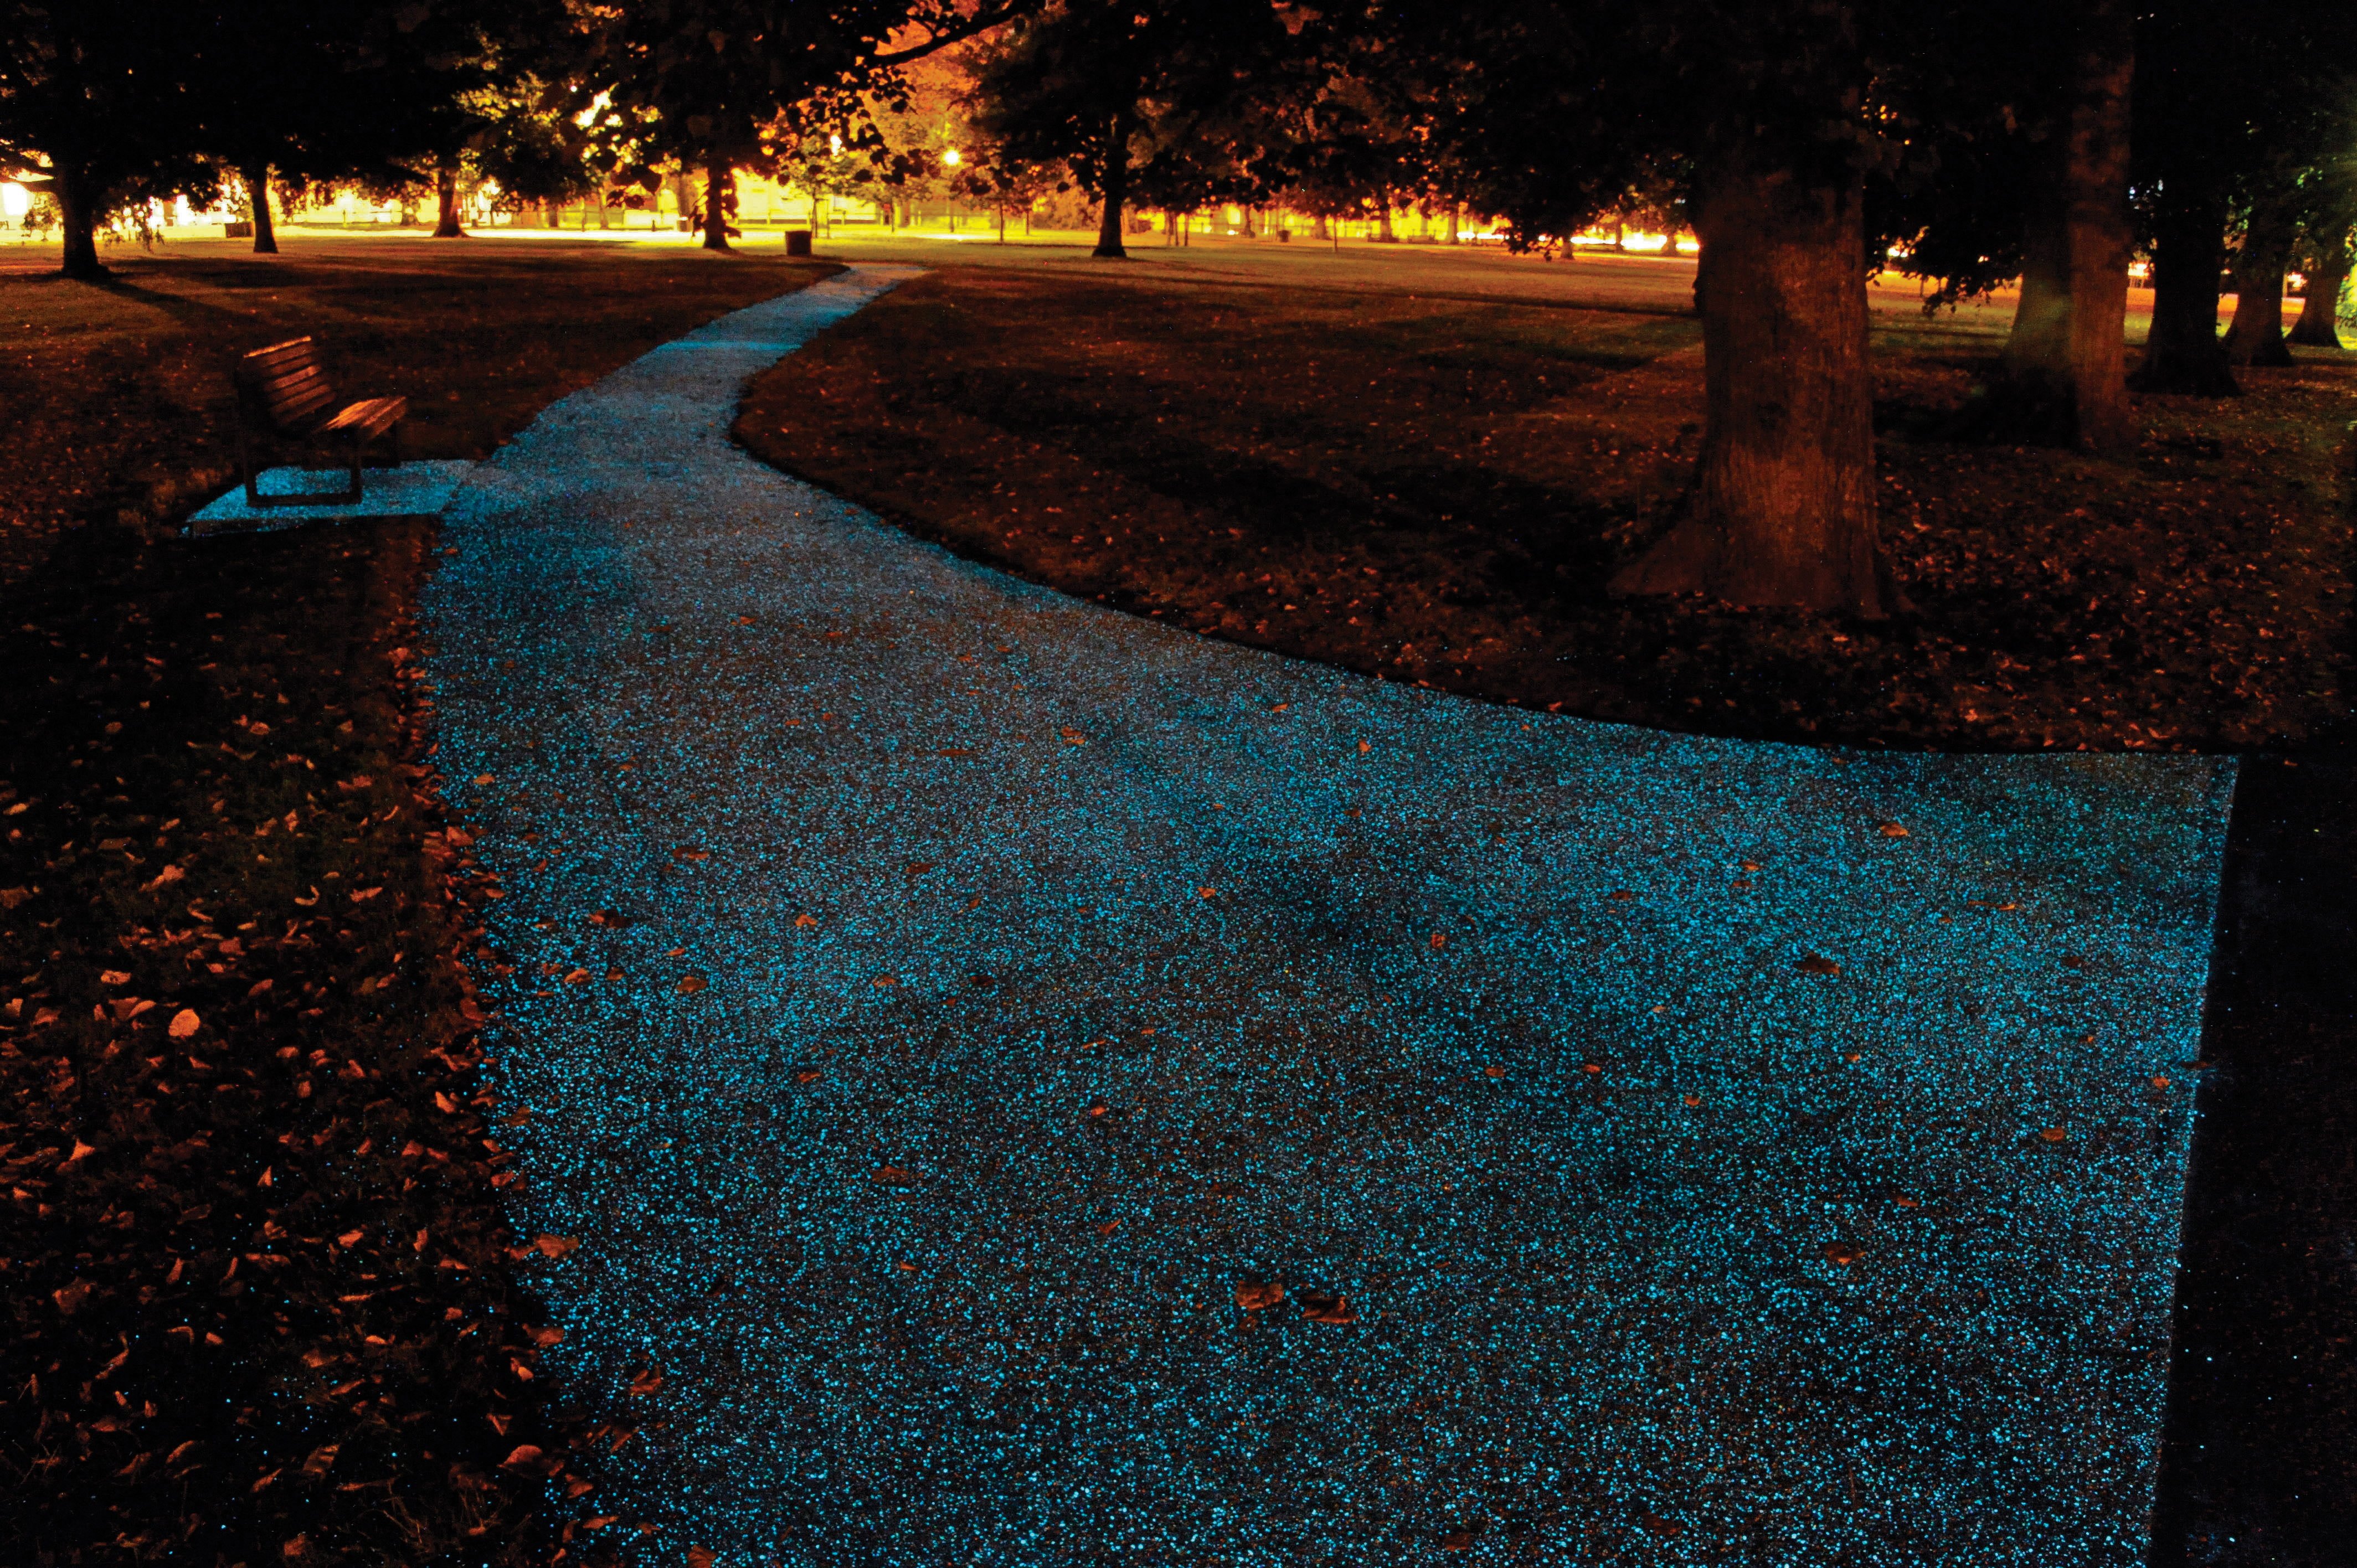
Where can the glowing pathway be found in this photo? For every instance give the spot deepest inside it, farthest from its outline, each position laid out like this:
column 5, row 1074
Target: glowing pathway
column 994, row 983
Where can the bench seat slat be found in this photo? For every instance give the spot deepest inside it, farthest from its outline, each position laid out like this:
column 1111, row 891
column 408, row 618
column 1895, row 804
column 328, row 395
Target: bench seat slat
column 370, row 418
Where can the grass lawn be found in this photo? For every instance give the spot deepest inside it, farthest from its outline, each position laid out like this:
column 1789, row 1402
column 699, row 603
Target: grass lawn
column 259, row 1306
column 1432, row 482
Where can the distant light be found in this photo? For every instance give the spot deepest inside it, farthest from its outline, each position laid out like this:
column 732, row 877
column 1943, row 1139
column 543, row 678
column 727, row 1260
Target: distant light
column 834, row 142
column 951, row 157
column 14, row 200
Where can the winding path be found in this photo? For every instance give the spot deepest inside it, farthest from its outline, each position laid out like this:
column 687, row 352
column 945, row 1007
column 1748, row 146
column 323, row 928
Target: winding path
column 993, row 984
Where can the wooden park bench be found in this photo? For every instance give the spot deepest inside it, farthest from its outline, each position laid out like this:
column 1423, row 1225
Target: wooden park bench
column 284, row 392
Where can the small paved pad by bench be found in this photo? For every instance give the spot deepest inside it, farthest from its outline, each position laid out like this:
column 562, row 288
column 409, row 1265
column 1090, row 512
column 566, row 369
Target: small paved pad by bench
column 413, row 489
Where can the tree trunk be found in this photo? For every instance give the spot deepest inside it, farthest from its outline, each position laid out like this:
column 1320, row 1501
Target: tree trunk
column 2064, row 380
column 1117, row 189
column 2317, row 326
column 256, row 176
column 1383, row 235
column 1781, row 510
column 716, row 187
column 2255, row 335
column 446, row 196
column 77, row 221
column 1456, row 221
column 2183, row 354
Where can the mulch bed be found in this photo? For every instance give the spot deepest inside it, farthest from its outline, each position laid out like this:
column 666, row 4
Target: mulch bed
column 261, row 1299
column 1435, row 491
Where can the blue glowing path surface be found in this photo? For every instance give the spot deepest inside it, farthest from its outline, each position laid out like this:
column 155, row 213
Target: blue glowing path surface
column 1008, row 979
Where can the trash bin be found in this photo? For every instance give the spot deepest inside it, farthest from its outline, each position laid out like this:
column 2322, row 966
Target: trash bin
column 798, row 241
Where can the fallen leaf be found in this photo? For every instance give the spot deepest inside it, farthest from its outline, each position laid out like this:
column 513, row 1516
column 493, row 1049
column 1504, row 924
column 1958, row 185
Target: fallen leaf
column 804, row 1076
column 114, row 977
column 884, row 980
column 1365, row 747
column 165, row 877
column 1494, row 1072
column 646, row 1383
column 1109, row 1227
column 523, row 1456
column 1256, row 1297
column 893, row 1175
column 805, row 919
column 1622, row 892
column 71, row 1298
column 545, row 1336
column 1320, row 1306
column 365, row 894
column 1199, row 893
column 556, row 1246
column 485, row 779
column 1097, row 1110
column 691, row 855
column 1891, row 830
column 1438, row 941
column 184, row 1024
column 1817, row 963
column 1694, row 1099
column 82, row 1151
column 2055, row 1135
column 689, row 984
column 1843, row 1253
column 700, row 1557
column 1457, row 1540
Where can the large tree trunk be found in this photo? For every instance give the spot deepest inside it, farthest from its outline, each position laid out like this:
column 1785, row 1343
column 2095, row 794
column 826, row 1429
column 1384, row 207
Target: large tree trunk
column 1117, row 189
column 77, row 221
column 718, row 188
column 2183, row 354
column 2255, row 335
column 2317, row 326
column 256, row 176
column 2066, row 369
column 1782, row 508
column 446, row 196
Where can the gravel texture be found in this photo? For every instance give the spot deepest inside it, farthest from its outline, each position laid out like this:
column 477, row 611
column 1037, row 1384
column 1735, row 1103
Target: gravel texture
column 937, row 1000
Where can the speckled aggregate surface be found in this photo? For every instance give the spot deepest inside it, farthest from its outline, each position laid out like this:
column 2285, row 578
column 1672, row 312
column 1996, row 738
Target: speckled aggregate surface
column 412, row 489
column 936, row 995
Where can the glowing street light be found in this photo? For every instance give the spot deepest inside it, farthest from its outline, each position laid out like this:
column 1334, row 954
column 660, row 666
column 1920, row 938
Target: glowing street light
column 950, row 159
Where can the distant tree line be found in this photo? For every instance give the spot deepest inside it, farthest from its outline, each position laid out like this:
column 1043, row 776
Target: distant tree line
column 1803, row 142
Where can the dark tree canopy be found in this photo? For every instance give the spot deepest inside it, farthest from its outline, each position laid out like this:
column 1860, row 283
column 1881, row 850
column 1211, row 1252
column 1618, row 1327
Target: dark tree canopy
column 718, row 84
column 1182, row 99
column 102, row 104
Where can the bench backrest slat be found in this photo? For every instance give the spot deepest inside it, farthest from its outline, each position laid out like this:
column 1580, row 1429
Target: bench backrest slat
column 285, row 383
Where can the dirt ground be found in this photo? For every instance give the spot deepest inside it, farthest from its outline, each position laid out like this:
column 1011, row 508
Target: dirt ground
column 1432, row 485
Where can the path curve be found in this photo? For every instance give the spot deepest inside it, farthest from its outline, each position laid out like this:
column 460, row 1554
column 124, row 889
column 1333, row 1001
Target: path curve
column 1006, row 980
